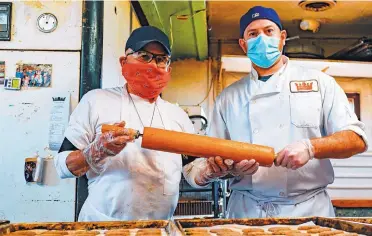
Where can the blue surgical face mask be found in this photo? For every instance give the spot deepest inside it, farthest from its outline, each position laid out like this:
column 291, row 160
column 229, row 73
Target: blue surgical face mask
column 263, row 50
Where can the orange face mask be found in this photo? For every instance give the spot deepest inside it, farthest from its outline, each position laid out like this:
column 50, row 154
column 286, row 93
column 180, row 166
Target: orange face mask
column 145, row 80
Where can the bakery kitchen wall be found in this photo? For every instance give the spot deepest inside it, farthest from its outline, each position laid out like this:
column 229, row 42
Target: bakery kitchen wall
column 24, row 114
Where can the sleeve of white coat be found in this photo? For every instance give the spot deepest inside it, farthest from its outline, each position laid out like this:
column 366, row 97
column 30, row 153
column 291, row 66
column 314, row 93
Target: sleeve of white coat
column 80, row 132
column 217, row 128
column 81, row 129
column 338, row 115
column 61, row 167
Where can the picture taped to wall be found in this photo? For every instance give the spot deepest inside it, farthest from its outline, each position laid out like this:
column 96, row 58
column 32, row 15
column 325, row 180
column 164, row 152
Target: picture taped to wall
column 2, row 72
column 35, row 75
column 30, row 169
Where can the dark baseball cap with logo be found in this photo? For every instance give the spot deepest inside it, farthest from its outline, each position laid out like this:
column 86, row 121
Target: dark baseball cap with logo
column 147, row 34
column 256, row 13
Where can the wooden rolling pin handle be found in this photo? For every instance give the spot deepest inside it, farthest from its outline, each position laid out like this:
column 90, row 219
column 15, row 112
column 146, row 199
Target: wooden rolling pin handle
column 135, row 134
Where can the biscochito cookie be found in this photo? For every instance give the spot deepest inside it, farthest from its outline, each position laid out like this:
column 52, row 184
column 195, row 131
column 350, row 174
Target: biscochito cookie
column 278, row 228
column 318, row 230
column 253, row 230
column 287, row 232
column 55, row 232
column 148, row 232
column 229, row 234
column 329, row 233
column 115, row 232
column 257, row 233
column 300, row 234
column 307, row 227
column 348, row 234
column 222, row 230
column 86, row 232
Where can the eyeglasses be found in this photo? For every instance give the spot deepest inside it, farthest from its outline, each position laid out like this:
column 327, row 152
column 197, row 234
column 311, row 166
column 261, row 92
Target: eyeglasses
column 162, row 61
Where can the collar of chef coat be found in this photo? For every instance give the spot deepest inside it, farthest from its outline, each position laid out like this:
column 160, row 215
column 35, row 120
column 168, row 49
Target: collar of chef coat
column 272, row 86
column 162, row 106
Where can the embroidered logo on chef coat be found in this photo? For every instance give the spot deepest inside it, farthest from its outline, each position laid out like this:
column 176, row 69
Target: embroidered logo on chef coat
column 304, row 86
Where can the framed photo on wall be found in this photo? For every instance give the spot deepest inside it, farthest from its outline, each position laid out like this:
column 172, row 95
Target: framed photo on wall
column 354, row 101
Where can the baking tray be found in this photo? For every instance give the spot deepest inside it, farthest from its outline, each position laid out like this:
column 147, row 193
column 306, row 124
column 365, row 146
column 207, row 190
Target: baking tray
column 4, row 222
column 168, row 226
column 351, row 227
column 364, row 220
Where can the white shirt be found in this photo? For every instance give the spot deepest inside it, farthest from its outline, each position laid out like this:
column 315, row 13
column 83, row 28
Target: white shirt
column 138, row 183
column 277, row 113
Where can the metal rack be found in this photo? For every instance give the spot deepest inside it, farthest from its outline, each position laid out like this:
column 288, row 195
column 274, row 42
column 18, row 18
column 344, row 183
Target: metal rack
column 205, row 202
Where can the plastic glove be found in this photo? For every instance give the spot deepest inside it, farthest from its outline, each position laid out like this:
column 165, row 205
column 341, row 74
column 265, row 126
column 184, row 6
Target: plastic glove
column 215, row 168
column 245, row 167
column 295, row 155
column 106, row 145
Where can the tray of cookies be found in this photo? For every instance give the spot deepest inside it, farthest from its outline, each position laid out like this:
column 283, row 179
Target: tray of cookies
column 124, row 228
column 306, row 226
column 364, row 220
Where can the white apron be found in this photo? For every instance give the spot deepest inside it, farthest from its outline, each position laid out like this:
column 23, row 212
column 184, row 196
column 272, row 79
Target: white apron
column 244, row 206
column 139, row 184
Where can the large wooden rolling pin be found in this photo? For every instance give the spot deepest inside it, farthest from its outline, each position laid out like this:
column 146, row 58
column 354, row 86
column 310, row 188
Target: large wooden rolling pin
column 200, row 146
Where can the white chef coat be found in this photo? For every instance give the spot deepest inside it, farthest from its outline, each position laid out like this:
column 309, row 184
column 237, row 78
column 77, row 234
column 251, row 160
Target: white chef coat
column 275, row 113
column 139, row 184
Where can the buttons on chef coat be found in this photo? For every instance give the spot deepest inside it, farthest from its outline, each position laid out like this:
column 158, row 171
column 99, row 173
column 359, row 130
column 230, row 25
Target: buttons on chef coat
column 281, row 126
column 255, row 131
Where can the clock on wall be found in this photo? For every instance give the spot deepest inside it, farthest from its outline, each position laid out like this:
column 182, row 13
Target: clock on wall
column 47, row 22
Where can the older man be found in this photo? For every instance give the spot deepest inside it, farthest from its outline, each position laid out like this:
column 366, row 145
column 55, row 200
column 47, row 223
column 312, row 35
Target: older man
column 125, row 181
column 302, row 113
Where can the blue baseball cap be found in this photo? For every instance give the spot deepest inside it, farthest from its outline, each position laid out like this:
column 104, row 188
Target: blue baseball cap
column 256, row 13
column 147, row 34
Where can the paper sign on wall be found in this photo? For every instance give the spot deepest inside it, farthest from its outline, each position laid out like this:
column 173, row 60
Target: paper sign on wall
column 59, row 116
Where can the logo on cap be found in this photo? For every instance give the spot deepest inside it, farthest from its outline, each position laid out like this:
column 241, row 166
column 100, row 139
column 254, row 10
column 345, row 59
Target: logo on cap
column 255, row 15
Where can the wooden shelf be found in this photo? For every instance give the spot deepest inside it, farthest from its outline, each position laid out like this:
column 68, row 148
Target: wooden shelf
column 352, row 203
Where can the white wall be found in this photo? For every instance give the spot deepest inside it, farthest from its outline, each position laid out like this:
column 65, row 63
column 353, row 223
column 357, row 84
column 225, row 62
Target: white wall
column 25, row 34
column 24, row 115
column 353, row 176
column 116, row 30
column 190, row 84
